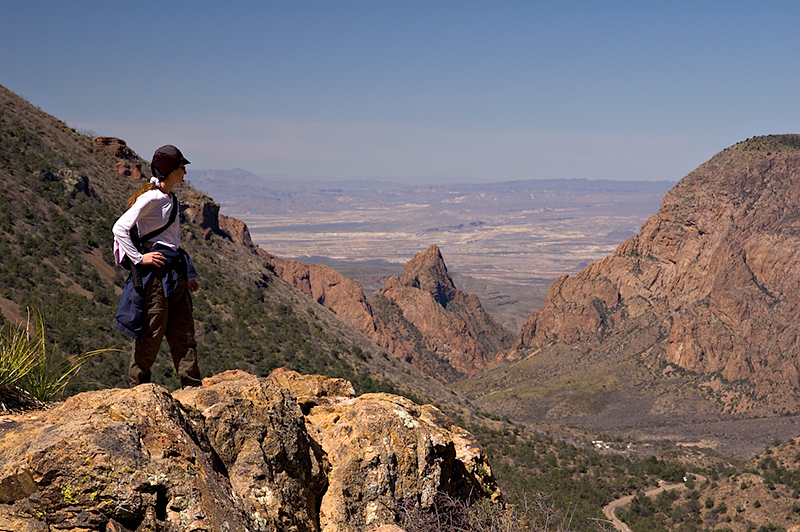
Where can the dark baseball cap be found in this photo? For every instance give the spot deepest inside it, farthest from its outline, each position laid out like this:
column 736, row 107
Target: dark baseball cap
column 166, row 159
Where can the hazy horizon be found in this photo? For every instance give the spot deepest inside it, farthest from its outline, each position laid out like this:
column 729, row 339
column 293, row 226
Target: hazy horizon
column 401, row 180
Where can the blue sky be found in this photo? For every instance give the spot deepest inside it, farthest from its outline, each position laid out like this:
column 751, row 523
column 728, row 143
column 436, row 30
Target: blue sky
column 415, row 90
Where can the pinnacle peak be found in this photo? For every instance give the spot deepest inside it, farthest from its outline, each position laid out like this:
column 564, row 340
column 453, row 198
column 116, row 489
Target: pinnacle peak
column 428, row 271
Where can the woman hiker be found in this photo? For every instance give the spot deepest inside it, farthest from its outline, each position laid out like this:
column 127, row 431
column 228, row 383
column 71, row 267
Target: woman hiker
column 156, row 301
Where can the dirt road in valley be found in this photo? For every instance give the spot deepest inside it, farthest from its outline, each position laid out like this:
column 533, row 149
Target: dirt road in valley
column 610, row 509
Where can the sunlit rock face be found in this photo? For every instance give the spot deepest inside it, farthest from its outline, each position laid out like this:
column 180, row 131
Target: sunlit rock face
column 237, row 453
column 452, row 323
column 717, row 269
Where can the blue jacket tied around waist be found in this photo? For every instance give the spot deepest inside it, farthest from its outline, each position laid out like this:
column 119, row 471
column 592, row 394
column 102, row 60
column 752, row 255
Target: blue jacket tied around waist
column 131, row 316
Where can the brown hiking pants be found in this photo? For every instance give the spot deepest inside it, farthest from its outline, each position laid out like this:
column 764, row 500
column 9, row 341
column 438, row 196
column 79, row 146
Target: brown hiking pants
column 170, row 317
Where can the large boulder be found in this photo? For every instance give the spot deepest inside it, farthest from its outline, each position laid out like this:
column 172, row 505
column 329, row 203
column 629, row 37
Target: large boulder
column 386, row 451
column 257, row 429
column 130, row 459
column 236, row 454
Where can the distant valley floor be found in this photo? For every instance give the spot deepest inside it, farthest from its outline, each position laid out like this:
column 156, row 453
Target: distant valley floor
column 505, row 242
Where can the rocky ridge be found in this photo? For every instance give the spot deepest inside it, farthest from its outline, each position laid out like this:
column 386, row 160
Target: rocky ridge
column 715, row 274
column 452, row 323
column 420, row 317
column 129, row 164
column 288, row 452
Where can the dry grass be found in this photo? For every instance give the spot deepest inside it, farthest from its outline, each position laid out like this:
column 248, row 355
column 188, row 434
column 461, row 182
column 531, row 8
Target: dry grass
column 449, row 514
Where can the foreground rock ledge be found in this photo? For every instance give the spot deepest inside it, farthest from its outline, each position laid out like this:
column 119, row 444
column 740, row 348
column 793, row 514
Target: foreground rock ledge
column 237, row 454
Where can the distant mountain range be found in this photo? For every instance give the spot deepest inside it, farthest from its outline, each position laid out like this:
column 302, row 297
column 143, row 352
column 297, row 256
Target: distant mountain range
column 240, row 191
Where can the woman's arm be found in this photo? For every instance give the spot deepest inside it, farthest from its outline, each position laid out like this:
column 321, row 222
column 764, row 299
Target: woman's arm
column 122, row 234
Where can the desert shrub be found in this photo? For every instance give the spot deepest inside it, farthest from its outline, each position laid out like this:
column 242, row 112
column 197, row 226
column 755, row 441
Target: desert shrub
column 665, row 499
column 449, row 514
column 769, row 527
column 52, row 374
column 579, row 480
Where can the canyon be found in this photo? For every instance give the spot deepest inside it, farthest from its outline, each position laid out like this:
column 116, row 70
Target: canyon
column 504, row 242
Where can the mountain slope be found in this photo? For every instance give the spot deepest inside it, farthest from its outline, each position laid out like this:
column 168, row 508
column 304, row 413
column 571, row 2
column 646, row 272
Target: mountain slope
column 61, row 195
column 718, row 266
column 693, row 317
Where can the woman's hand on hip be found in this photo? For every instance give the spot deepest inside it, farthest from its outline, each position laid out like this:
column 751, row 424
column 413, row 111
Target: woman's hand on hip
column 193, row 285
column 154, row 258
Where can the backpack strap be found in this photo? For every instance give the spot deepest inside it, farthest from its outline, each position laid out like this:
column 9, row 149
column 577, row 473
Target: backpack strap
column 139, row 240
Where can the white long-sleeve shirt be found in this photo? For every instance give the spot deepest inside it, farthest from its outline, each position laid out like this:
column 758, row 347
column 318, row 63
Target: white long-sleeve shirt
column 150, row 212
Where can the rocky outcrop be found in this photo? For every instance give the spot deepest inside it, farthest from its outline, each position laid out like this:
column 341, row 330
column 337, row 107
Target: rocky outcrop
column 346, row 299
column 420, row 317
column 74, row 182
column 334, row 291
column 126, row 459
column 199, row 209
column 384, row 450
column 717, row 269
column 452, row 323
column 133, row 170
column 130, row 165
column 256, row 429
column 114, row 146
column 235, row 454
column 236, row 230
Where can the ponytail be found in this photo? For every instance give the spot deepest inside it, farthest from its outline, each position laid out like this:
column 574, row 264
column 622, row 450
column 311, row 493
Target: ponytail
column 141, row 190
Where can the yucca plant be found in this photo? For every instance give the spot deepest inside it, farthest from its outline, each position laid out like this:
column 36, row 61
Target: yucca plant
column 48, row 378
column 20, row 352
column 30, row 373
